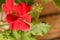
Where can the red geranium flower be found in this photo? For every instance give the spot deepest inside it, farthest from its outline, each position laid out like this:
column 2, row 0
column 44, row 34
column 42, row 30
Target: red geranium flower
column 16, row 20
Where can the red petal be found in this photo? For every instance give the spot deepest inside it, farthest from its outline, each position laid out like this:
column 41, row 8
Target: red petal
column 11, row 18
column 27, row 8
column 27, row 17
column 5, row 9
column 23, row 5
column 24, row 26
column 21, row 9
column 19, row 25
column 9, row 5
column 18, row 10
column 14, row 26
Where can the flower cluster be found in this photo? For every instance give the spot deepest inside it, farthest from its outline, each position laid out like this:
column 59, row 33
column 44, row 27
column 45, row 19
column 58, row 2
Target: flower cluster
column 16, row 14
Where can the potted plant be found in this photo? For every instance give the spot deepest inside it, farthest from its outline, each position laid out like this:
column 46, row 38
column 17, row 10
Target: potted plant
column 21, row 20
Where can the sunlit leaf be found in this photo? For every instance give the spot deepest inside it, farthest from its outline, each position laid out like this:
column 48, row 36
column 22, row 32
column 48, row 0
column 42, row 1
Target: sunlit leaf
column 39, row 29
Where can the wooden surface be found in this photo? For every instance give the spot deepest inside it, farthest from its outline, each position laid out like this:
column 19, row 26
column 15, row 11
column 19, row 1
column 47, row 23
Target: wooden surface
column 54, row 31
column 51, row 15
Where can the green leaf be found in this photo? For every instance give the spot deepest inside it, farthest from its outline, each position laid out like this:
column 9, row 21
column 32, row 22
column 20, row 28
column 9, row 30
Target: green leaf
column 16, row 35
column 27, row 36
column 9, row 38
column 29, row 2
column 17, row 1
column 7, row 35
column 1, row 37
column 1, row 1
column 39, row 29
column 57, row 2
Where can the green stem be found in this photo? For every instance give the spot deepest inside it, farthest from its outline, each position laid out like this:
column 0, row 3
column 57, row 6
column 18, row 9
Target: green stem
column 37, row 16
